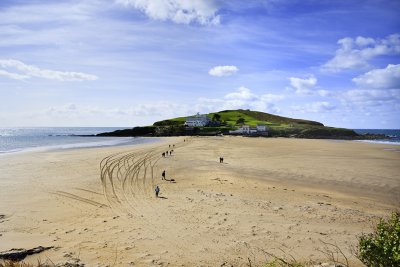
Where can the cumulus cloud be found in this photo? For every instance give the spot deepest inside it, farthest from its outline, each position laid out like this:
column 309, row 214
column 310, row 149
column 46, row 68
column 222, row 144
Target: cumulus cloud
column 308, row 86
column 387, row 78
column 242, row 98
column 376, row 88
column 178, row 11
column 14, row 76
column 23, row 71
column 315, row 107
column 271, row 98
column 355, row 53
column 242, row 93
column 370, row 98
column 220, row 71
column 325, row 93
column 75, row 114
column 303, row 86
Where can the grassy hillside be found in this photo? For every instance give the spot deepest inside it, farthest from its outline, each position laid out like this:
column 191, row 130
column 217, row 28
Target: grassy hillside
column 252, row 118
column 226, row 120
column 277, row 125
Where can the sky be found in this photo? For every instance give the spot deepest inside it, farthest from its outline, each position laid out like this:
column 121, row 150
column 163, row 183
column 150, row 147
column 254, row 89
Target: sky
column 126, row 63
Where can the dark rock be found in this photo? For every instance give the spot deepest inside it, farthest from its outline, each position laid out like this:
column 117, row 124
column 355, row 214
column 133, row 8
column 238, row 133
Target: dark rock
column 18, row 254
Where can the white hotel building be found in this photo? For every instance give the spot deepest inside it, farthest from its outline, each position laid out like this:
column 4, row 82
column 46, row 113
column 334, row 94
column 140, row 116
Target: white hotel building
column 198, row 120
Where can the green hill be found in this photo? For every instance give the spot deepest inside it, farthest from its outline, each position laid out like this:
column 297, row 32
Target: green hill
column 226, row 120
column 252, row 118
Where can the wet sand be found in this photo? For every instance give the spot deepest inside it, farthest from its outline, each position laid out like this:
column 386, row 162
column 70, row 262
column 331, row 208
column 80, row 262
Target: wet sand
column 271, row 195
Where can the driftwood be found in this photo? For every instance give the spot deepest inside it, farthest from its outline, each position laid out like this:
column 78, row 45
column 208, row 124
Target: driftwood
column 18, row 254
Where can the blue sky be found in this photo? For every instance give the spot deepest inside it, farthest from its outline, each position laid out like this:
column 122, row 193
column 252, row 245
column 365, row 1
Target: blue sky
column 132, row 62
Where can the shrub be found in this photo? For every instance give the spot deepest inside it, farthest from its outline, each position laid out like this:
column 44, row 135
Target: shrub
column 382, row 247
column 240, row 121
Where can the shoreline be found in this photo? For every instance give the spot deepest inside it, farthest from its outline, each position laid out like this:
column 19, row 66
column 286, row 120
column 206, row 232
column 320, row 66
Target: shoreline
column 274, row 193
column 121, row 143
column 113, row 142
column 382, row 142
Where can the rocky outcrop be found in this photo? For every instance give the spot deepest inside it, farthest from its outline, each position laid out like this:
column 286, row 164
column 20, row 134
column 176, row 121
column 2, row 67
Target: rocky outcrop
column 18, row 254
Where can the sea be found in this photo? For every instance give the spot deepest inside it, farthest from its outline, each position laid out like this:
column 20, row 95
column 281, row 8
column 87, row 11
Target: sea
column 393, row 135
column 20, row 139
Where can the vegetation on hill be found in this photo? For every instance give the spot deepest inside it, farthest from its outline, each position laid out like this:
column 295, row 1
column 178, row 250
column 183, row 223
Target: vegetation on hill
column 253, row 118
column 226, row 120
column 241, row 116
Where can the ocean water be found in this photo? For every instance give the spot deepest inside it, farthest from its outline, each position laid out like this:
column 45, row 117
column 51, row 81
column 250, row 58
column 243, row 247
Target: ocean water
column 47, row 138
column 393, row 135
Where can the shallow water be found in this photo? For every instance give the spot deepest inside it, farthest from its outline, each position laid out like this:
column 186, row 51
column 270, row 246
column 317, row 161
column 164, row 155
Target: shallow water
column 43, row 138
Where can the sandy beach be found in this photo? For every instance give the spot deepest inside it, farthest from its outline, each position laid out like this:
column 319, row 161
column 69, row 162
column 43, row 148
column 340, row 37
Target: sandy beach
column 270, row 196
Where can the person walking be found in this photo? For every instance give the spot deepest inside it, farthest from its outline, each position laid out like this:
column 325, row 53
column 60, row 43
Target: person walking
column 163, row 175
column 157, row 190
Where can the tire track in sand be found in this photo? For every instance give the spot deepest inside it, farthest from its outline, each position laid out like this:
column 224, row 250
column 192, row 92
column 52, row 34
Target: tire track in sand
column 128, row 179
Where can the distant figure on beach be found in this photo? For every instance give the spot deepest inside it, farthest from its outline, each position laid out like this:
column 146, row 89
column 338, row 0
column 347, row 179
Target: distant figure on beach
column 163, row 154
column 163, row 175
column 157, row 190
column 173, row 145
column 221, row 160
column 169, row 146
column 170, row 152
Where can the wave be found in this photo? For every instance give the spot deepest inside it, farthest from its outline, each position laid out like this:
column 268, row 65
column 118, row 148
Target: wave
column 103, row 143
column 387, row 142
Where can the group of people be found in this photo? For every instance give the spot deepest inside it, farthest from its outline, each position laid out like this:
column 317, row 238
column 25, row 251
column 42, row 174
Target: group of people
column 157, row 189
column 164, row 154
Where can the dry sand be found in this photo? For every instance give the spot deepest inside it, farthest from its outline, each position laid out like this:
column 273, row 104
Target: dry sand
column 280, row 196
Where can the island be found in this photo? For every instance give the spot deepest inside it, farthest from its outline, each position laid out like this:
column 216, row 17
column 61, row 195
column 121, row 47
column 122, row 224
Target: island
column 241, row 122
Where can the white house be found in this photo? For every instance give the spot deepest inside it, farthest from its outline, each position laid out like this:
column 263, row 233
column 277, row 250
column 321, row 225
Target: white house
column 199, row 120
column 261, row 129
column 245, row 129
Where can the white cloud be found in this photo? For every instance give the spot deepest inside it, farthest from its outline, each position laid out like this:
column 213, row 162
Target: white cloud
column 242, row 98
column 242, row 93
column 220, row 71
column 50, row 12
column 321, row 106
column 28, row 71
column 355, row 53
column 271, row 98
column 387, row 78
column 141, row 114
column 303, row 86
column 160, row 108
column 325, row 93
column 308, row 86
column 13, row 76
column 178, row 11
column 368, row 98
column 315, row 107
